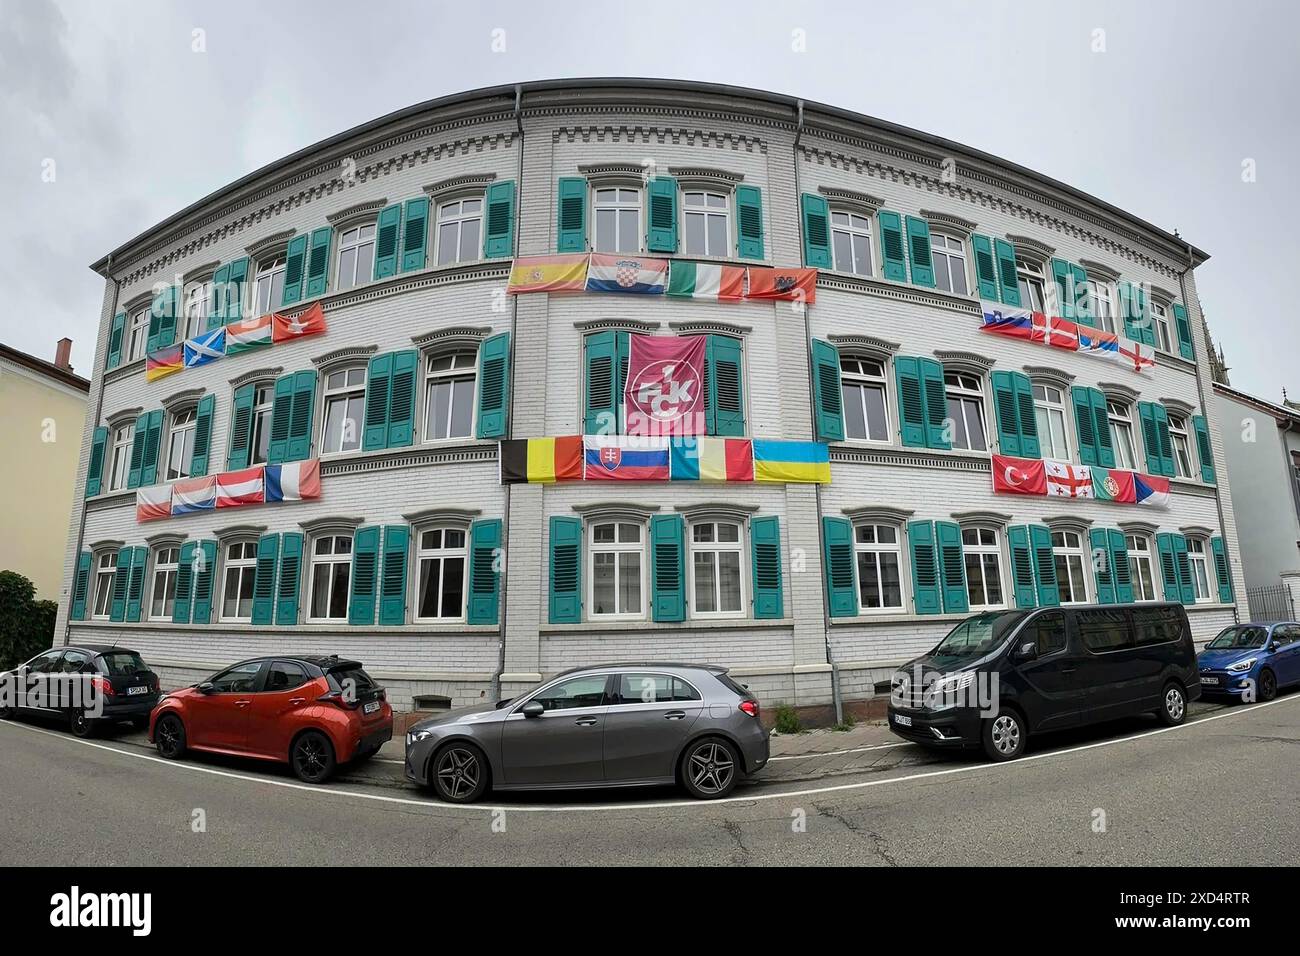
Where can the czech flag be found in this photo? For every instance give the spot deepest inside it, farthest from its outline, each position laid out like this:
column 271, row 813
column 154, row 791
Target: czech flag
column 625, row 458
column 792, row 461
column 194, row 494
column 1151, row 490
column 614, row 273
column 153, row 503
column 712, row 459
column 244, row 487
column 296, row 481
column 310, row 322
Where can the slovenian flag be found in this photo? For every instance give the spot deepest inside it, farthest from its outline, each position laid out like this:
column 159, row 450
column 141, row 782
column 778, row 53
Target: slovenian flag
column 702, row 280
column 194, row 494
column 248, row 334
column 243, row 487
column 1007, row 320
column 296, row 481
column 164, row 362
column 711, row 459
column 309, row 322
column 635, row 274
column 1151, row 490
column 205, row 348
column 791, row 461
column 625, row 458
column 153, row 502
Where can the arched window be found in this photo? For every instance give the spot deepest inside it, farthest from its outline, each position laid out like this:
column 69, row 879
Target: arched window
column 949, row 255
column 1072, row 563
column 707, row 219
column 180, row 443
column 1049, row 411
column 198, row 302
column 617, row 219
column 983, row 553
column 880, row 585
column 866, row 398
column 965, row 395
column 239, row 566
column 1198, row 559
column 105, row 569
column 851, row 242
column 1121, row 433
column 356, row 255
column 268, row 288
column 120, row 458
column 162, row 593
column 460, row 230
column 344, row 403
column 617, row 583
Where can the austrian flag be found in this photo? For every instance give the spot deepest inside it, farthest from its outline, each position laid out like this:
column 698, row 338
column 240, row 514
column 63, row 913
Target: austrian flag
column 1068, row 481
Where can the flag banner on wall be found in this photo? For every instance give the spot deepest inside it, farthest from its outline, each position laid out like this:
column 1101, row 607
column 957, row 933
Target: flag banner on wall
column 309, row 322
column 153, row 503
column 295, row 481
column 1065, row 480
column 164, row 362
column 1151, row 490
column 1109, row 484
column 205, row 348
column 541, row 460
column 560, row 273
column 792, row 461
column 625, row 458
column 248, row 334
column 664, row 391
column 1061, row 333
column 1019, row 476
column 194, row 494
column 244, row 487
column 1061, row 479
column 784, row 284
column 711, row 459
column 634, row 274
column 703, row 280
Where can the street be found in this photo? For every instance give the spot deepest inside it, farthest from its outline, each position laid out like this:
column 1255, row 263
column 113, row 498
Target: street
column 1217, row 790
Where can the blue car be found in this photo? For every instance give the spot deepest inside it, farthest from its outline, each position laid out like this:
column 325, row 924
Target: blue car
column 1251, row 661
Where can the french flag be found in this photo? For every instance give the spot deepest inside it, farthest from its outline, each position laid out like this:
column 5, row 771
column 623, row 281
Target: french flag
column 295, row 481
column 194, row 494
column 1008, row 320
column 244, row 487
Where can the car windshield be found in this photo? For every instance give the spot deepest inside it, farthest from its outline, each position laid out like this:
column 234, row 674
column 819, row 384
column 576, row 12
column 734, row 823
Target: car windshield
column 1240, row 637
column 977, row 636
column 122, row 663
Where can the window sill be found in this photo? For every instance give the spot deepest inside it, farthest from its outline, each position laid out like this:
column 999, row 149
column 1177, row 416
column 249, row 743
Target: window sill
column 341, row 629
column 872, row 620
column 885, row 288
column 714, row 624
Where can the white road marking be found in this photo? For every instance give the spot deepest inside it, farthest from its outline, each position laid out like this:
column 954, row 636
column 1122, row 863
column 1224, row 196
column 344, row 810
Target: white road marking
column 663, row 804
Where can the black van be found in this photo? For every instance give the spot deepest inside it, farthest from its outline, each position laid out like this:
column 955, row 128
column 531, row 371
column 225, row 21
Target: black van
column 1000, row 676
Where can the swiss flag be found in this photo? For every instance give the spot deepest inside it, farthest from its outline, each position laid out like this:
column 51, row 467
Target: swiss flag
column 311, row 322
column 1019, row 476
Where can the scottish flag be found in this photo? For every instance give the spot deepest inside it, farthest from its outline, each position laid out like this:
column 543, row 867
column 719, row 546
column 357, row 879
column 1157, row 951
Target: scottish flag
column 205, row 348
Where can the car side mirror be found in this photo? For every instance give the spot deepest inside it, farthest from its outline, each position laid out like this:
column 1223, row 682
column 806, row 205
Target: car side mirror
column 532, row 709
column 207, row 687
column 1027, row 651
column 1273, row 646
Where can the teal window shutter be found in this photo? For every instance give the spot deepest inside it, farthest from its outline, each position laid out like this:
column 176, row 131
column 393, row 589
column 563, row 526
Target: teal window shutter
column 749, row 222
column 564, row 601
column 1119, row 561
column 1143, row 313
column 379, row 377
column 661, row 216
column 494, row 386
column 1186, row 588
column 828, row 395
column 300, row 416
column 318, row 262
column 986, row 270
column 605, row 357
column 95, row 468
column 1063, row 277
column 1203, row 449
column 392, row 595
column 1222, row 572
column 1103, row 565
column 205, row 574
column 1124, row 300
column 152, row 441
column 891, row 246
column 268, row 556
column 1022, row 566
column 135, row 584
column 499, row 235
column 387, row 228
column 838, row 567
column 1084, row 424
column 80, row 585
column 365, row 576
column 184, row 583
column 1082, row 309
column 952, row 567
column 667, row 567
column 936, row 404
column 571, row 215
column 1183, row 329
column 162, row 320
column 925, row 567
column 139, row 436
column 1101, row 428
column 1151, row 438
column 241, row 427
column 217, row 305
column 401, row 399
column 116, row 331
column 236, row 280
column 724, row 371
column 765, row 553
column 202, row 436
column 286, row 592
column 277, row 451
column 1024, row 388
column 1005, row 253
column 121, row 578
column 484, row 572
column 1168, row 566
column 919, row 253
column 1040, row 542
column 1161, row 419
column 415, row 234
column 911, row 404
column 1008, row 418
column 816, row 231
column 295, row 267
column 155, row 311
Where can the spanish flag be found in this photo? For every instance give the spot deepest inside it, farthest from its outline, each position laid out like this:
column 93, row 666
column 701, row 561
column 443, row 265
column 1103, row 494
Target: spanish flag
column 567, row 273
column 164, row 362
column 543, row 460
column 792, row 461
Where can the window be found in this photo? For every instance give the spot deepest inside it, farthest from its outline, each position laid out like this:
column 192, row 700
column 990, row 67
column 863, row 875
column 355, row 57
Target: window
column 198, row 300
column 1029, row 278
column 120, row 462
column 1158, row 625
column 356, row 255
column 1182, row 446
column 983, row 567
column 653, row 689
column 879, row 583
column 1121, row 433
column 966, row 410
column 285, row 675
column 440, row 558
column 268, row 291
column 588, row 691
column 617, row 569
column 1160, row 321
column 1140, row 567
column 105, row 569
column 449, row 395
column 1071, row 563
column 137, row 335
column 180, row 444
column 618, row 220
column 1196, row 556
column 237, row 591
column 1049, row 413
column 163, row 593
column 460, row 224
column 240, row 679
column 1101, row 302
column 345, row 403
column 707, row 231
column 1048, row 632
column 866, row 416
column 260, row 438
column 949, row 255
column 73, row 662
column 1104, row 630
column 715, row 568
column 331, row 570
column 851, row 242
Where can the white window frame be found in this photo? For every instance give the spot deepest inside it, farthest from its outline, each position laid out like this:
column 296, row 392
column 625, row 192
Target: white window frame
column 1067, row 550
column 1101, row 300
column 856, row 226
column 198, row 303
column 119, row 462
column 951, row 250
column 1120, row 415
column 166, row 559
column 717, row 548
column 452, row 212
column 965, row 394
column 440, row 554
column 268, row 270
column 1180, row 442
column 1030, row 275
column 345, row 393
column 1164, row 334
column 1198, row 561
column 877, row 548
column 105, row 578
column 137, row 333
column 259, row 421
column 353, row 239
column 619, row 206
column 1046, row 404
column 617, row 547
column 983, row 551
column 708, row 213
column 333, row 561
column 1140, row 554
column 183, row 423
column 457, row 373
column 245, row 567
column 859, row 379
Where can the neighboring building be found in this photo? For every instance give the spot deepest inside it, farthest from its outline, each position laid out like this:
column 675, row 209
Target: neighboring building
column 404, row 229
column 42, row 417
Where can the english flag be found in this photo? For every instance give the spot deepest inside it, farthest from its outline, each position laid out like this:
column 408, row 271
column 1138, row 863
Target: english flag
column 1018, row 476
column 311, row 322
column 1068, row 481
column 242, row 487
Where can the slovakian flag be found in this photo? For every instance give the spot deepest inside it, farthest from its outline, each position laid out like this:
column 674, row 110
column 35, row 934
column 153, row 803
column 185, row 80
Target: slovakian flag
column 1007, row 320
column 164, row 362
column 625, row 458
column 1151, row 490
column 712, row 459
column 310, row 322
column 635, row 274
column 243, row 487
column 205, row 348
column 1109, row 484
column 194, row 494
column 295, row 481
column 153, row 503
column 248, row 334
column 559, row 273
column 796, row 285
column 541, row 460
column 1019, row 476
column 1065, row 480
column 703, row 280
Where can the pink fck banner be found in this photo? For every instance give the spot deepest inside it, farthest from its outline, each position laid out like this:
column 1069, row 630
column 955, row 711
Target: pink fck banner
column 664, row 392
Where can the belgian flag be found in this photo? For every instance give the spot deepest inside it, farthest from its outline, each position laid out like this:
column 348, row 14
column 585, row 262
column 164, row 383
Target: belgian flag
column 543, row 460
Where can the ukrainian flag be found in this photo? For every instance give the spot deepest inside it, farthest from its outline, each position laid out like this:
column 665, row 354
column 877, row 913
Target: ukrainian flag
column 792, row 461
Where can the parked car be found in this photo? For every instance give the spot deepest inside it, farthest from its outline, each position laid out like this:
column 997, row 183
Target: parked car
column 313, row 713
column 998, row 677
column 114, row 681
column 616, row 725
column 1255, row 659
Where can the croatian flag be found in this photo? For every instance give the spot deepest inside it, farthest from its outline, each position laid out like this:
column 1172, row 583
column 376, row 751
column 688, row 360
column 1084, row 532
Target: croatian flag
column 625, row 458
column 1007, row 320
column 1068, row 481
column 194, row 494
column 205, row 348
column 1151, row 490
column 242, row 487
column 293, row 482
column 153, row 502
column 636, row 274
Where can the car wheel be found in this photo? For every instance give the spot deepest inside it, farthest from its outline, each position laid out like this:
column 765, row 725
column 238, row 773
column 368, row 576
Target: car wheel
column 312, row 757
column 81, row 725
column 710, row 768
column 1267, row 684
column 459, row 773
column 1173, row 706
column 169, row 737
column 1004, row 736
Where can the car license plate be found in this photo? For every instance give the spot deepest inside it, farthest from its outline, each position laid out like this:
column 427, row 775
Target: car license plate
column 371, row 707
column 902, row 721
column 1209, row 680
column 133, row 691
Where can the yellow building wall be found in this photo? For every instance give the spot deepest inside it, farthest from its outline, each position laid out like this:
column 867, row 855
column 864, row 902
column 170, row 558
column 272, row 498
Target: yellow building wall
column 40, row 439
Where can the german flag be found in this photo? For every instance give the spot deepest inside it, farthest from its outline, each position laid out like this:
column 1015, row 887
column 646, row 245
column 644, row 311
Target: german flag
column 543, row 460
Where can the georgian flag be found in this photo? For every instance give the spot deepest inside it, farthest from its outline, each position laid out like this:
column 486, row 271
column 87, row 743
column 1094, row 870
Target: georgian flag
column 295, row 481
column 1065, row 480
column 242, row 487
column 205, row 348
column 310, row 322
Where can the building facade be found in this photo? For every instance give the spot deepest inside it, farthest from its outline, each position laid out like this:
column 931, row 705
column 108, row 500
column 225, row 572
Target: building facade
column 447, row 583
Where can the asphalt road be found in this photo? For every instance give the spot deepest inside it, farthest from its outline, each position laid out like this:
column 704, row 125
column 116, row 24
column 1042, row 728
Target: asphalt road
column 1217, row 791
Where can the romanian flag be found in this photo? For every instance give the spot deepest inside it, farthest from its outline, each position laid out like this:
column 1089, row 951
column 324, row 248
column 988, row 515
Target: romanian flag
column 563, row 273
column 711, row 459
column 310, row 322
column 703, row 280
column 543, row 460
column 795, row 285
column 247, row 334
column 164, row 362
column 792, row 461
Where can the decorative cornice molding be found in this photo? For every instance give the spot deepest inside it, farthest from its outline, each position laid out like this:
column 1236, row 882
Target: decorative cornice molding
column 1031, row 247
column 269, row 244
column 454, row 184
column 899, row 291
column 946, row 220
column 1197, row 530
column 468, row 334
column 1100, row 270
column 345, row 354
column 997, row 518
column 204, row 271
column 1139, row 528
column 141, row 300
column 696, row 327
column 630, row 325
column 457, row 516
column 706, row 174
column 886, row 513
column 1068, row 523
column 184, row 397
column 600, row 509
column 1117, row 391
column 239, row 531
column 106, row 544
column 853, row 197
column 356, row 211
column 1162, row 295
column 164, row 539
column 612, row 169
column 1178, row 406
column 123, row 415
column 960, row 358
column 1053, row 375
column 891, row 455
column 315, row 526
column 725, row 509
column 468, row 451
column 866, row 343
column 256, row 374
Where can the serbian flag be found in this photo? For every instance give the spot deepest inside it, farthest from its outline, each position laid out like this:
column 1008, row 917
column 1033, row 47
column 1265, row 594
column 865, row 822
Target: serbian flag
column 1151, row 490
column 1057, row 332
column 194, row 494
column 562, row 273
column 712, row 459
column 1019, row 476
column 295, row 481
column 702, row 280
column 164, row 362
column 153, row 503
column 310, row 322
column 625, row 458
column 205, row 348
column 1065, row 480
column 635, row 274
column 796, row 285
column 248, row 334
column 1108, row 484
column 541, row 460
column 1099, row 343
column 244, row 487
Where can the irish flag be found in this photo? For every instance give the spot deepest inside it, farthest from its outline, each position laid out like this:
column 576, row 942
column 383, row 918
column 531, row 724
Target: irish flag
column 702, row 280
column 247, row 334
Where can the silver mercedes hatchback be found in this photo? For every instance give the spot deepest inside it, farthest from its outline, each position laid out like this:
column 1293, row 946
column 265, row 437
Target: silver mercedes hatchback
column 615, row 725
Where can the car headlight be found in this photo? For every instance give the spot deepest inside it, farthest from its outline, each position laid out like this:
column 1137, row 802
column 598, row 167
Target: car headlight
column 415, row 735
column 942, row 694
column 1242, row 666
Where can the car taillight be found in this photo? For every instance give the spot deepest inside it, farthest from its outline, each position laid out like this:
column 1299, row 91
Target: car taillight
column 153, row 683
column 102, row 685
column 750, row 707
column 337, row 699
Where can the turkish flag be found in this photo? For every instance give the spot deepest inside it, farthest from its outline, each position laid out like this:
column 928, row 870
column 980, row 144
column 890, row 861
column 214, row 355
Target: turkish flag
column 1019, row 476
column 311, row 322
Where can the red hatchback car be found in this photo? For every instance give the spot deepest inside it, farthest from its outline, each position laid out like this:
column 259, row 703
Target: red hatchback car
column 312, row 712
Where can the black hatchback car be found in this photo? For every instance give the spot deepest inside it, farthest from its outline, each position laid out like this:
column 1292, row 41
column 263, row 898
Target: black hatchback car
column 84, row 684
column 1000, row 676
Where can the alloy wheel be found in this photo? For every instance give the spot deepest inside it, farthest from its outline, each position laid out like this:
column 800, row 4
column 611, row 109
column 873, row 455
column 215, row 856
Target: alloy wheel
column 167, row 736
column 1006, row 734
column 1174, row 704
column 458, row 772
column 1267, row 685
column 711, row 767
column 310, row 758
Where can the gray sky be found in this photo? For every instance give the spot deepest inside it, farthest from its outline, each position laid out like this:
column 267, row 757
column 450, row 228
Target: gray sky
column 139, row 125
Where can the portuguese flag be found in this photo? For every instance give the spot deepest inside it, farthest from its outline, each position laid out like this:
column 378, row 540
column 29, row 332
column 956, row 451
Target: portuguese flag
column 543, row 460
column 702, row 280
